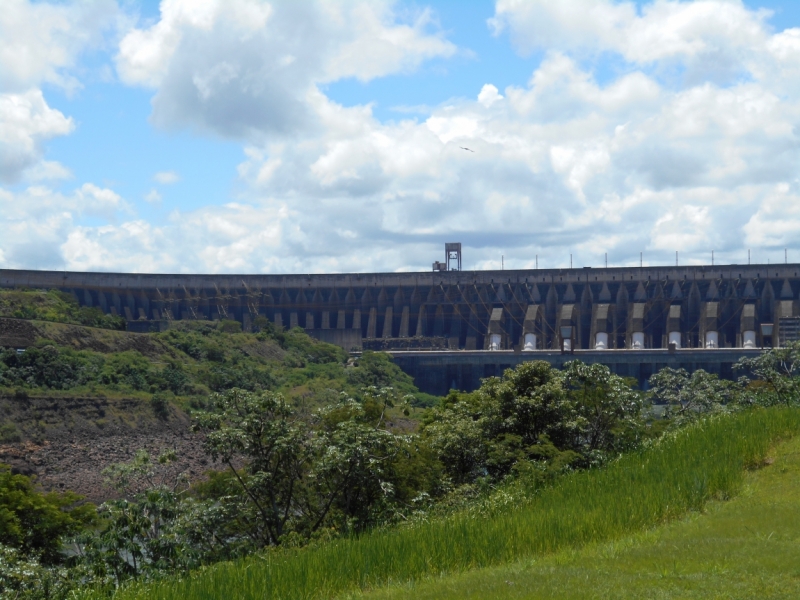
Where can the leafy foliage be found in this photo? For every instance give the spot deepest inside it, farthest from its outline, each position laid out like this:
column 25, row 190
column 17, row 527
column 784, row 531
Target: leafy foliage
column 609, row 412
column 26, row 577
column 34, row 523
column 582, row 415
column 299, row 476
column 778, row 373
column 689, row 396
column 55, row 306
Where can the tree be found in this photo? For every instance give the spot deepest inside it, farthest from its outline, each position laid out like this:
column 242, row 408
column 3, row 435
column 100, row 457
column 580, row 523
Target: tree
column 261, row 429
column 352, row 467
column 139, row 532
column 779, row 370
column 25, row 577
column 295, row 476
column 36, row 524
column 608, row 410
column 535, row 413
column 529, row 401
column 456, row 434
column 688, row 396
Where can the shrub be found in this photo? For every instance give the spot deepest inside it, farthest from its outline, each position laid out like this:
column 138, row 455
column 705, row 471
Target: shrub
column 229, row 326
column 160, row 405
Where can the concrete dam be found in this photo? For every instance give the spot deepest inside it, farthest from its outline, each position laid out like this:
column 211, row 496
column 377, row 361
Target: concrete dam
column 450, row 328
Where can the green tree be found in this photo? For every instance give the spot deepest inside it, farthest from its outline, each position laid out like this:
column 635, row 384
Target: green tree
column 294, row 476
column 779, row 370
column 608, row 411
column 25, row 577
column 262, row 429
column 456, row 434
column 36, row 524
column 143, row 531
column 535, row 413
column 688, row 396
column 352, row 468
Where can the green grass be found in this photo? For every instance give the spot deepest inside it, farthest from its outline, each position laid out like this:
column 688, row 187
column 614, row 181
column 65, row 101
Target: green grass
column 745, row 548
column 683, row 473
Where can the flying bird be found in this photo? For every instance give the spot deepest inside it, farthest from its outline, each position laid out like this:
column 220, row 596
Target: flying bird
column 468, row 149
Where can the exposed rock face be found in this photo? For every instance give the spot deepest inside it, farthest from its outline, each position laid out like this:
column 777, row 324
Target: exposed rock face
column 66, row 443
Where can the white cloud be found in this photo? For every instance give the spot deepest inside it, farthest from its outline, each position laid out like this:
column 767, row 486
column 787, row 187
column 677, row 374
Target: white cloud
column 712, row 37
column 47, row 170
column 40, row 41
column 153, row 197
column 247, row 69
column 37, row 220
column 691, row 143
column 26, row 122
column 489, row 95
column 166, row 177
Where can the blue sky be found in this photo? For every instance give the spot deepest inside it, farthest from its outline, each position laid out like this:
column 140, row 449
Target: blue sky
column 138, row 136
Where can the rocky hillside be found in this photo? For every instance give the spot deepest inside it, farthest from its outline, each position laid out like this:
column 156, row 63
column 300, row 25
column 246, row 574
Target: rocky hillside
column 75, row 399
column 66, row 442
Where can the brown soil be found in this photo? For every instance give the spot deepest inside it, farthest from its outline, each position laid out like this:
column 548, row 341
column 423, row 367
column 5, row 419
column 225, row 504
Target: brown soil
column 67, row 443
column 17, row 333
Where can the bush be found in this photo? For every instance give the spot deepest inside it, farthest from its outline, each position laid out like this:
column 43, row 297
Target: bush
column 9, row 434
column 229, row 326
column 160, row 405
column 35, row 523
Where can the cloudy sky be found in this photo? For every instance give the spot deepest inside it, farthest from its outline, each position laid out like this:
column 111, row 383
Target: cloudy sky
column 320, row 136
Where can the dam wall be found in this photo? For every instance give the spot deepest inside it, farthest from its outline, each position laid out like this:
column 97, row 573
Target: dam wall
column 540, row 312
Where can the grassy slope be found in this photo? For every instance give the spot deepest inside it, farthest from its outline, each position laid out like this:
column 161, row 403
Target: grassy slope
column 745, row 548
column 55, row 306
column 640, row 491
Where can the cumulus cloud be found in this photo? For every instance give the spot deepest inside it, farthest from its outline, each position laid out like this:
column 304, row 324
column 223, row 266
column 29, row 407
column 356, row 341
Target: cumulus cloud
column 248, row 69
column 40, row 44
column 40, row 41
column 26, row 122
column 712, row 38
column 37, row 220
column 216, row 239
column 562, row 165
column 690, row 145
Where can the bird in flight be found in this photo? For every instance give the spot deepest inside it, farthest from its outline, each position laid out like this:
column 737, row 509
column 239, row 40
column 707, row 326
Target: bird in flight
column 467, row 149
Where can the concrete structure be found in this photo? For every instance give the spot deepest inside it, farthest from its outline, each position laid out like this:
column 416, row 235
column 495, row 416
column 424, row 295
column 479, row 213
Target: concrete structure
column 436, row 372
column 605, row 310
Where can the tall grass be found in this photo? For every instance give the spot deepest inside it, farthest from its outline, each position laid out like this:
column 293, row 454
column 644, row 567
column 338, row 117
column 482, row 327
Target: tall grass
column 642, row 489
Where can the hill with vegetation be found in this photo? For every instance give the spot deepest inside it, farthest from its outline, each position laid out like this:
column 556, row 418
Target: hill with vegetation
column 80, row 397
column 54, row 306
column 287, row 469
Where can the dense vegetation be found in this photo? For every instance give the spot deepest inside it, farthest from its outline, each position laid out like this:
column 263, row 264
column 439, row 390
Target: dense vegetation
column 54, row 306
column 324, row 474
column 744, row 547
column 193, row 359
column 703, row 461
